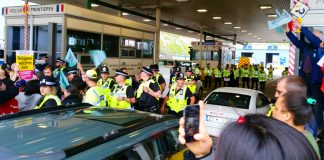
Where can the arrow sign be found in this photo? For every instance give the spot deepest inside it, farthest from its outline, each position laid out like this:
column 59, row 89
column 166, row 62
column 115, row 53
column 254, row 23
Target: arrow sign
column 299, row 10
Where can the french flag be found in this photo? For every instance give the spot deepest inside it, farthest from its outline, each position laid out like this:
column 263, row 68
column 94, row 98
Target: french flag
column 4, row 11
column 60, row 8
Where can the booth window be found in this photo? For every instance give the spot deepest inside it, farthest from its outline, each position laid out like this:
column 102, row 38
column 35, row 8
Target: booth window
column 15, row 37
column 129, row 47
column 111, row 45
column 148, row 47
column 83, row 42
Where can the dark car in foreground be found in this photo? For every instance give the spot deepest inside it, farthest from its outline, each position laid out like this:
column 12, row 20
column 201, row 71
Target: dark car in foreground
column 86, row 133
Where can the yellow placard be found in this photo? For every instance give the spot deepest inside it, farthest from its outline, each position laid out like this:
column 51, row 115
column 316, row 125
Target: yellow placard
column 25, row 62
column 25, row 9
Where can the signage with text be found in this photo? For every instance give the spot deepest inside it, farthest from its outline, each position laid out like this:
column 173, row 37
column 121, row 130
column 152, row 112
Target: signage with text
column 34, row 10
column 25, row 62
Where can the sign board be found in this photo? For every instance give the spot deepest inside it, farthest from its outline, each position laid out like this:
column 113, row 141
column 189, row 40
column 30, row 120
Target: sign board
column 299, row 10
column 34, row 10
column 25, row 62
column 25, row 9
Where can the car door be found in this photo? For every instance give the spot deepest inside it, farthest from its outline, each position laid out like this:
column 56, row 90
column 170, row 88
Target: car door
column 173, row 150
column 262, row 104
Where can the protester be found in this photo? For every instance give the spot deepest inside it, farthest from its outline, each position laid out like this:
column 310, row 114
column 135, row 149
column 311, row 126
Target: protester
column 71, row 73
column 95, row 95
column 251, row 137
column 8, row 90
column 80, row 85
column 48, row 71
column 42, row 62
column 49, row 92
column 28, row 99
column 59, row 68
column 71, row 96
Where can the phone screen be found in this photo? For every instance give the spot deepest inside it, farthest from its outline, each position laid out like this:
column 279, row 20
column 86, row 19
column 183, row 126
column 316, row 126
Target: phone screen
column 191, row 114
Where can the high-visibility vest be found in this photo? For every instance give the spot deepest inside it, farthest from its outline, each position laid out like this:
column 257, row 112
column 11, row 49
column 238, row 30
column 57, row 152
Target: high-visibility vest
column 95, row 96
column 192, row 87
column 208, row 71
column 197, row 71
column 156, row 79
column 236, row 73
column 245, row 73
column 262, row 76
column 119, row 93
column 105, row 87
column 54, row 97
column 218, row 73
column 174, row 79
column 177, row 101
column 285, row 73
column 226, row 73
column 270, row 70
column 255, row 74
column 140, row 89
column 129, row 81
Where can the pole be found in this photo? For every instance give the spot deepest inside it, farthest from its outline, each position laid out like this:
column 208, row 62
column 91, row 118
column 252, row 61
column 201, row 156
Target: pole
column 31, row 36
column 26, row 27
column 200, row 46
column 157, row 34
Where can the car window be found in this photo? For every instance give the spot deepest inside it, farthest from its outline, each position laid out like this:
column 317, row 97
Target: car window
column 262, row 100
column 229, row 99
column 130, row 154
column 172, row 147
column 154, row 149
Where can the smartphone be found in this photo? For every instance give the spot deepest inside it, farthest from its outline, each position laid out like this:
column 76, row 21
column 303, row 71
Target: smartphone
column 191, row 115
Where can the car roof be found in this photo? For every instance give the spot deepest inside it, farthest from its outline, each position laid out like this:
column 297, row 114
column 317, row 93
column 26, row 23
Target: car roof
column 71, row 128
column 236, row 90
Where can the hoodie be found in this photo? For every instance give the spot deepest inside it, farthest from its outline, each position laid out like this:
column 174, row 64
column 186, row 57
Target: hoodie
column 27, row 102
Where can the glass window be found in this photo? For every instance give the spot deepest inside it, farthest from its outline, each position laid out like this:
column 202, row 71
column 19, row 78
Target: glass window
column 15, row 37
column 129, row 154
column 215, row 55
column 82, row 42
column 154, row 149
column 262, row 101
column 148, row 49
column 139, row 48
column 40, row 38
column 229, row 99
column 111, row 45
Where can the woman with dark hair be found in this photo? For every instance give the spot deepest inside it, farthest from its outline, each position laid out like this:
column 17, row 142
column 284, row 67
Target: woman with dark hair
column 28, row 99
column 252, row 137
column 71, row 95
column 292, row 108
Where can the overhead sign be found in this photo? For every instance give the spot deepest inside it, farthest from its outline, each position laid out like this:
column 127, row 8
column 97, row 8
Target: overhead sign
column 33, row 10
column 299, row 10
column 25, row 62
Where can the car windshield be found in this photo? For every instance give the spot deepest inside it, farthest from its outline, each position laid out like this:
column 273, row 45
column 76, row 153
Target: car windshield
column 229, row 99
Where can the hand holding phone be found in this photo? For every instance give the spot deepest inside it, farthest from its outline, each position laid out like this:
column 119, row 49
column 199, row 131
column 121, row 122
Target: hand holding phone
column 192, row 116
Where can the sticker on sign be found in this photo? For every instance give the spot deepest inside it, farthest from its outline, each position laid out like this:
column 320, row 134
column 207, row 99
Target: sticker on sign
column 299, row 10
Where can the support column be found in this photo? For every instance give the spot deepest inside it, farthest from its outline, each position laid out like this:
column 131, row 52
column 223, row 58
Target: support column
column 157, row 34
column 52, row 31
column 200, row 47
column 31, row 33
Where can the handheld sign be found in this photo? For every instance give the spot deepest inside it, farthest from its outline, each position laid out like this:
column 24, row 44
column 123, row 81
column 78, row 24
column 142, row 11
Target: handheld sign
column 299, row 10
column 284, row 18
column 97, row 57
column 70, row 58
column 25, row 61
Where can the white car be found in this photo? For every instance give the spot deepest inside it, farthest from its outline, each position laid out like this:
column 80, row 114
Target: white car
column 225, row 105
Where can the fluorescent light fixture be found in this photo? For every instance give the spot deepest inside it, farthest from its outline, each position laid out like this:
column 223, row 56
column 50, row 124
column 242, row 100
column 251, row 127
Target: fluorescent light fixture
column 243, row 31
column 201, row 10
column 146, row 20
column 190, row 31
column 250, row 33
column 254, row 36
column 272, row 15
column 236, row 27
column 94, row 5
column 259, row 38
column 265, row 7
column 125, row 14
column 217, row 17
column 165, row 24
column 182, row 0
column 228, row 23
column 263, row 40
column 178, row 28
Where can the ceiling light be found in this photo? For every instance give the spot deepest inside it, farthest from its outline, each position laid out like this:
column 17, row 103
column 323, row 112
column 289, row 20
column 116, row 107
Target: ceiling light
column 201, row 10
column 165, row 24
column 94, row 5
column 236, row 27
column 125, row 14
column 217, row 17
column 264, row 40
column 243, row 31
column 190, row 31
column 228, row 23
column 182, row 0
column 250, row 33
column 178, row 28
column 259, row 38
column 146, row 20
column 265, row 7
column 272, row 15
column 254, row 36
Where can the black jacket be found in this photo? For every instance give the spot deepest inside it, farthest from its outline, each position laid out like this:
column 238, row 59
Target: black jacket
column 72, row 99
column 10, row 92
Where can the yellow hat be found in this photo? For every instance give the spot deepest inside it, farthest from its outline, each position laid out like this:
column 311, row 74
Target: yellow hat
column 91, row 74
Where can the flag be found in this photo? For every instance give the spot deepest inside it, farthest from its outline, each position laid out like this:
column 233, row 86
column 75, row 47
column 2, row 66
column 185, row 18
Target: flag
column 284, row 18
column 71, row 59
column 97, row 57
column 63, row 80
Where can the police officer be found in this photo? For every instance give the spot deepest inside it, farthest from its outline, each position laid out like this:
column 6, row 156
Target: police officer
column 197, row 71
column 122, row 95
column 157, row 77
column 190, row 80
column 285, row 72
column 208, row 73
column 178, row 98
column 148, row 93
column 173, row 76
column 218, row 76
column 255, row 77
column 236, row 73
column 226, row 75
column 245, row 76
column 262, row 79
column 71, row 73
column 270, row 74
column 129, row 80
column 95, row 95
column 48, row 91
column 105, row 82
column 59, row 67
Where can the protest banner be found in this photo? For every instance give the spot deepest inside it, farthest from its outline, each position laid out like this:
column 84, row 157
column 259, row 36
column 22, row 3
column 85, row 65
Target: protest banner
column 25, row 62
